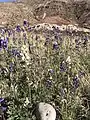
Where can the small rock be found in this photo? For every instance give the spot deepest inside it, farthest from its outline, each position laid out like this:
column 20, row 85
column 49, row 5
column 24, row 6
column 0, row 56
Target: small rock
column 45, row 111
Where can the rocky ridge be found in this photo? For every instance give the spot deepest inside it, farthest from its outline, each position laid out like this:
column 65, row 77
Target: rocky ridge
column 77, row 12
column 52, row 12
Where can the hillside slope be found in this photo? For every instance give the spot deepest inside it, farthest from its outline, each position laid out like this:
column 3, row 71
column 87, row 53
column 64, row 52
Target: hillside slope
column 14, row 13
column 39, row 11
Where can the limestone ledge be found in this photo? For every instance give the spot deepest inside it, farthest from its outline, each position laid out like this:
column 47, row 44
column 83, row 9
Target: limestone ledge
column 70, row 27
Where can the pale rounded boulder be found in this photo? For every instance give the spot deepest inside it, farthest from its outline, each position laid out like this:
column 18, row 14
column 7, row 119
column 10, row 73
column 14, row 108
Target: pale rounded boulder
column 45, row 111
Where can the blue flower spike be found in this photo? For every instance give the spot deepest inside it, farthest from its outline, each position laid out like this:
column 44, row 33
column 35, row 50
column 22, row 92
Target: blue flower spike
column 18, row 28
column 1, row 100
column 76, row 82
column 63, row 66
column 1, row 44
column 55, row 45
column 4, row 108
column 25, row 23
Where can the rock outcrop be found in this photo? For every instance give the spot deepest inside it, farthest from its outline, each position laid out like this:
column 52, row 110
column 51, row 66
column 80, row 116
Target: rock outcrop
column 78, row 11
column 45, row 111
column 40, row 11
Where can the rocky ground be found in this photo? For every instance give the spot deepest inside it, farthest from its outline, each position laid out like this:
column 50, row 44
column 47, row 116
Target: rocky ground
column 53, row 11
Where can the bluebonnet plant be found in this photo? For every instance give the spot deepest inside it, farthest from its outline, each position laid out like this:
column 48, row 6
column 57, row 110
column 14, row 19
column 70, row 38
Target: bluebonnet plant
column 51, row 70
column 56, row 29
column 9, row 33
column 1, row 44
column 55, row 45
column 4, row 43
column 2, row 104
column 81, row 74
column 3, row 109
column 2, row 31
column 29, row 29
column 85, row 40
column 76, row 82
column 1, row 100
column 15, row 52
column 48, row 83
column 11, row 67
column 18, row 28
column 63, row 66
column 25, row 23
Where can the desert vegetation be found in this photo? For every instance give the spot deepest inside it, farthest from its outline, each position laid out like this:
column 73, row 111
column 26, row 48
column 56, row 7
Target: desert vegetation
column 44, row 64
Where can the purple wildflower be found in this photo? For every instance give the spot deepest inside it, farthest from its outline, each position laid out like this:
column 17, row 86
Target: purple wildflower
column 57, row 36
column 1, row 100
column 5, row 43
column 29, row 29
column 56, row 29
column 5, row 30
column 4, row 108
column 1, row 44
column 77, row 43
column 85, row 40
column 81, row 74
column 18, row 28
column 15, row 52
column 9, row 32
column 51, row 70
column 76, row 82
column 55, row 45
column 48, row 83
column 25, row 23
column 2, row 31
column 11, row 67
column 63, row 66
column 24, row 35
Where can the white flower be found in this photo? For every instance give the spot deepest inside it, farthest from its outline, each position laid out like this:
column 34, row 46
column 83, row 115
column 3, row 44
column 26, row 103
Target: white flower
column 50, row 77
column 68, row 60
column 26, row 102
